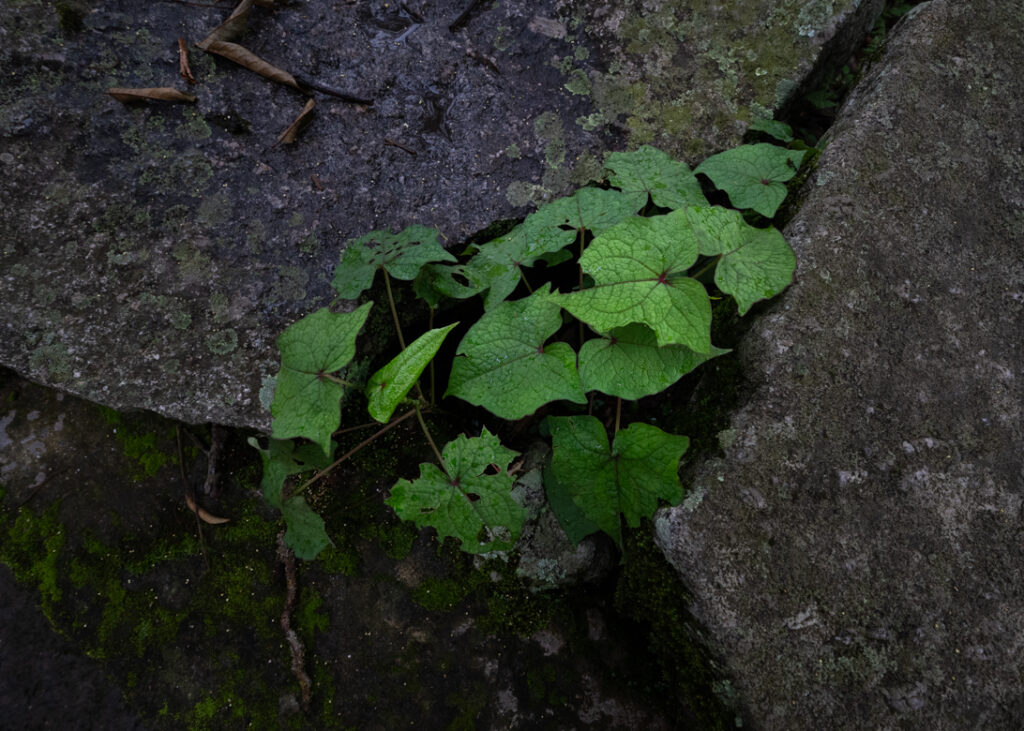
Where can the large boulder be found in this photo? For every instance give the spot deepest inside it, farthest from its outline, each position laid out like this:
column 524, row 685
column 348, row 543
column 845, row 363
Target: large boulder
column 855, row 549
column 152, row 252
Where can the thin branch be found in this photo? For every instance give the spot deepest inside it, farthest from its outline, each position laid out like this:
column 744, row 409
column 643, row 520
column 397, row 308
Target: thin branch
column 286, row 493
column 287, row 558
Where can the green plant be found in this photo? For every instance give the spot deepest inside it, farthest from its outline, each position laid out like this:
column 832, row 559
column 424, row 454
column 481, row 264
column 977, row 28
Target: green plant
column 623, row 313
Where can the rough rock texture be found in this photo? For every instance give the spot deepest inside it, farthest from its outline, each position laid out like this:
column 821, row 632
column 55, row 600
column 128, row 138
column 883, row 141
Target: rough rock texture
column 151, row 253
column 855, row 552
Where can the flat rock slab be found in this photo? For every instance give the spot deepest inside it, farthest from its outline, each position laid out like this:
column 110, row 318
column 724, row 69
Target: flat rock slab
column 152, row 252
column 856, row 551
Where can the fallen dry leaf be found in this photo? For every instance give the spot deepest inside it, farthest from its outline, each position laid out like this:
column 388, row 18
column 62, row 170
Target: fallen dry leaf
column 244, row 57
column 288, row 136
column 183, row 68
column 160, row 93
column 233, row 27
column 201, row 512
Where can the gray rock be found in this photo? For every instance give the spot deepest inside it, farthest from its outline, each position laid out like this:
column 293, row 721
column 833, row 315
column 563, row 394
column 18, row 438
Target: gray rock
column 152, row 253
column 855, row 552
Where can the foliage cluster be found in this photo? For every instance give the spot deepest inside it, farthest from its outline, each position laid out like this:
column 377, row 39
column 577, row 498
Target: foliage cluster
column 603, row 293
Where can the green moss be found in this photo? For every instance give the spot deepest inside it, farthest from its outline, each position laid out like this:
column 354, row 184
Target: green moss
column 32, row 549
column 441, row 595
column 309, row 616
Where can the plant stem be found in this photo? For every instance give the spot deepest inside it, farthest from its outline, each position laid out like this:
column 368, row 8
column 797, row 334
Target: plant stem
column 394, row 310
column 286, row 493
column 522, row 275
column 705, row 268
column 618, row 413
column 437, row 452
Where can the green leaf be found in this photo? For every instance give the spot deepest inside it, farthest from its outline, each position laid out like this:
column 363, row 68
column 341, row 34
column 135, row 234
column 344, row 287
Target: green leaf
column 435, row 282
column 282, row 459
column 669, row 183
column 628, row 363
column 388, row 386
column 639, row 272
column 779, row 130
column 402, row 255
column 594, row 209
column 306, row 534
column 754, row 176
column 307, row 403
column 629, row 479
column 497, row 265
column 503, row 364
column 576, row 525
column 717, row 229
column 754, row 263
column 760, row 267
column 472, row 506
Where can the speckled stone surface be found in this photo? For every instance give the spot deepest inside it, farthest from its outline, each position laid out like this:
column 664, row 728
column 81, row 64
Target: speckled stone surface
column 855, row 549
column 150, row 254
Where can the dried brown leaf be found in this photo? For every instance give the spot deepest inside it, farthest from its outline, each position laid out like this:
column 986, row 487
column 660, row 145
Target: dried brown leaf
column 201, row 512
column 244, row 57
column 161, row 93
column 183, row 68
column 231, row 28
column 288, row 136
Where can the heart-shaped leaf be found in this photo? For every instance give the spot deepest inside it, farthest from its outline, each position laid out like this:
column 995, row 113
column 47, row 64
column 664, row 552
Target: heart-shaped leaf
column 759, row 268
column 779, row 130
column 628, row 363
column 504, row 365
column 438, row 281
column 629, row 479
column 388, row 386
column 470, row 503
column 639, row 270
column 402, row 255
column 754, row 263
column 307, row 402
column 753, row 176
column 669, row 183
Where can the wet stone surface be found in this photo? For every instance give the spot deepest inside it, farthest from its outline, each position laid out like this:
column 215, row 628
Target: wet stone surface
column 151, row 253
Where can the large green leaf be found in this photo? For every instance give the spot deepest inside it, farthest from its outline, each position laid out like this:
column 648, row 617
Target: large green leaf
column 754, row 263
column 759, row 268
column 307, row 403
column 629, row 479
column 594, row 209
column 779, row 130
column 504, row 365
column 628, row 363
column 468, row 503
column 754, row 176
column 402, row 255
column 388, row 386
column 669, row 183
column 639, row 270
